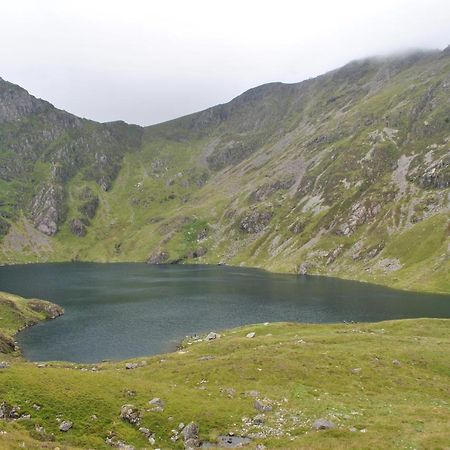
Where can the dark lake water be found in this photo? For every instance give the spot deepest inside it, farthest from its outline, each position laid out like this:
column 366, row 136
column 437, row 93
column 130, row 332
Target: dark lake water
column 117, row 311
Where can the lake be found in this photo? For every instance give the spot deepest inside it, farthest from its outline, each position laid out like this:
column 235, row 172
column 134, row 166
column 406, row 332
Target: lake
column 118, row 311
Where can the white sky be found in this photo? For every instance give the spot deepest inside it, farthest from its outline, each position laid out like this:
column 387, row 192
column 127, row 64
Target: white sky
column 146, row 61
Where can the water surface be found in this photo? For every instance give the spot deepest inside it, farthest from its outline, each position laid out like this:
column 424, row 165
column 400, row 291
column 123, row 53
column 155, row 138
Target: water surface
column 117, row 311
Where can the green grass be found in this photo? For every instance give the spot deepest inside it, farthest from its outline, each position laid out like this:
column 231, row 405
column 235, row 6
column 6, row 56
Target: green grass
column 305, row 370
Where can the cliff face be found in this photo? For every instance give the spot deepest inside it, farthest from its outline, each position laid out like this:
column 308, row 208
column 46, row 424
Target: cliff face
column 346, row 174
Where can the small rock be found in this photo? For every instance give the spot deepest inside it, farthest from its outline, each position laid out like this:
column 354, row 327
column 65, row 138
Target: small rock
column 251, row 335
column 263, row 406
column 252, row 394
column 396, row 362
column 65, row 426
column 323, row 424
column 211, row 336
column 145, row 431
column 4, row 365
column 260, row 447
column 230, row 392
column 130, row 366
column 356, row 370
column 151, row 441
column 157, row 403
column 258, row 419
column 180, row 426
column 352, row 429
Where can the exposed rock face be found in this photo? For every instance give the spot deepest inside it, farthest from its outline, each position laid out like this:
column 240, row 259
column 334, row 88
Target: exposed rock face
column 197, row 253
column 360, row 214
column 436, row 175
column 78, row 228
column 89, row 208
column 267, row 190
column 16, row 103
column 47, row 209
column 304, row 268
column 158, row 257
column 255, row 222
column 51, row 310
column 7, row 344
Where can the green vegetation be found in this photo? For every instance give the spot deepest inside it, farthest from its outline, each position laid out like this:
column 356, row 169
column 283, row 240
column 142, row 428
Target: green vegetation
column 384, row 385
column 352, row 167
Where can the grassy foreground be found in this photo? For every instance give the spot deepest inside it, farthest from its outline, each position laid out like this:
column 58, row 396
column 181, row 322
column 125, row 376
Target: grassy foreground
column 384, row 385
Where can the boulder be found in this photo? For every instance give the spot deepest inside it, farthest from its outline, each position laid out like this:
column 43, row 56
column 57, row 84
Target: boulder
column 190, row 435
column 323, row 424
column 130, row 366
column 65, row 426
column 8, row 411
column 157, row 403
column 211, row 336
column 130, row 414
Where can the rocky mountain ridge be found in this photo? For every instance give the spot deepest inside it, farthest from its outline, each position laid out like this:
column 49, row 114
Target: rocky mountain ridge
column 346, row 174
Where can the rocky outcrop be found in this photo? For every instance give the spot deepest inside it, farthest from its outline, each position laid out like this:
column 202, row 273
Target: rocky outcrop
column 47, row 209
column 436, row 175
column 130, row 414
column 255, row 221
column 158, row 257
column 16, row 103
column 197, row 253
column 50, row 310
column 77, row 227
column 267, row 190
column 9, row 412
column 360, row 213
column 190, row 435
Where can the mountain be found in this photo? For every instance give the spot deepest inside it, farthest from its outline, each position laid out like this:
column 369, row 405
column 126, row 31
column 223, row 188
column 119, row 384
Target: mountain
column 346, row 174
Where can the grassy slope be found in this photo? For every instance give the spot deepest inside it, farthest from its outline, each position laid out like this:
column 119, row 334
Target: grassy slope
column 305, row 370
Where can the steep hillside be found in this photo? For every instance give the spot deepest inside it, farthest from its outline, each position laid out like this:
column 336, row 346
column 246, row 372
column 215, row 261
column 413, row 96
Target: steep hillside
column 346, row 174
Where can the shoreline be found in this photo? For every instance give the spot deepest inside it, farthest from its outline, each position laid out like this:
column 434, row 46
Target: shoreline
column 193, row 264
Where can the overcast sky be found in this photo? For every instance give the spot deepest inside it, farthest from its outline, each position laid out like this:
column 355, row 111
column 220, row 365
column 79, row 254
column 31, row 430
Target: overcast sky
column 146, row 61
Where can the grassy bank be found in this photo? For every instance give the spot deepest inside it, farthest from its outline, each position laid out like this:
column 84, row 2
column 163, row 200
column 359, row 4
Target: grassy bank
column 383, row 385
